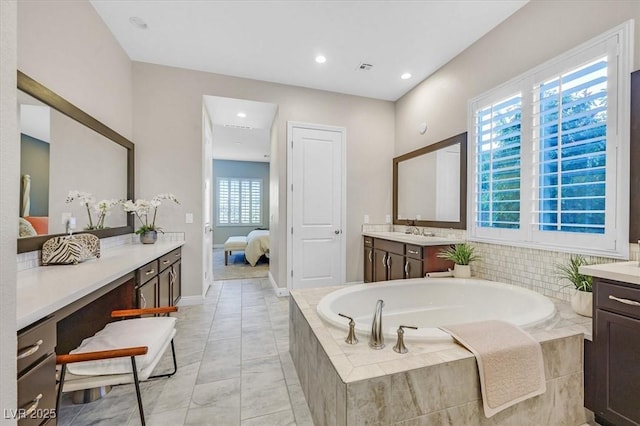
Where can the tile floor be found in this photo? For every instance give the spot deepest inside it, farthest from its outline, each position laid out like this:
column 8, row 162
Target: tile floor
column 234, row 368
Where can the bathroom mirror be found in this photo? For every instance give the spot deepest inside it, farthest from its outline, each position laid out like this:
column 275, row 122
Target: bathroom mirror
column 430, row 185
column 64, row 149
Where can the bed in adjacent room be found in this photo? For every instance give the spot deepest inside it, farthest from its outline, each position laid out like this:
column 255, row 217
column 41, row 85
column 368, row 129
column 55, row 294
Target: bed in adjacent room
column 257, row 246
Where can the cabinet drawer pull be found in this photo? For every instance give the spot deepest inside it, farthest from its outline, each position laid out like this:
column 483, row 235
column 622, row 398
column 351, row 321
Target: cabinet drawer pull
column 412, row 251
column 406, row 268
column 389, row 261
column 177, row 254
column 34, row 404
column 625, row 301
column 30, row 350
column 384, row 260
column 164, row 262
column 370, row 253
column 152, row 271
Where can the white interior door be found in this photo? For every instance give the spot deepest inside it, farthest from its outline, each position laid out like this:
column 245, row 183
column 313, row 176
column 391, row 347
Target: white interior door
column 316, row 206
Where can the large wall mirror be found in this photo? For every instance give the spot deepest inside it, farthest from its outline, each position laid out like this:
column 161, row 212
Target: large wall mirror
column 430, row 185
column 64, row 149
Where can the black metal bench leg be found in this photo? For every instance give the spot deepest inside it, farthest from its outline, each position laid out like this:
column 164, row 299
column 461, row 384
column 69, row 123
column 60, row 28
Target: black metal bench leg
column 175, row 364
column 137, row 383
column 63, row 371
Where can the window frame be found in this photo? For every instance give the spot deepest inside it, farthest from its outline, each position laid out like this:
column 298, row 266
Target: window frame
column 240, row 223
column 618, row 46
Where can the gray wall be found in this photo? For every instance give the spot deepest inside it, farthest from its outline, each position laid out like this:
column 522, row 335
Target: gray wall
column 239, row 169
column 34, row 161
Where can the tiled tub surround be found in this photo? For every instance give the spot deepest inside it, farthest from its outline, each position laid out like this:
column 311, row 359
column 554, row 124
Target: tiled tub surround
column 433, row 384
column 525, row 267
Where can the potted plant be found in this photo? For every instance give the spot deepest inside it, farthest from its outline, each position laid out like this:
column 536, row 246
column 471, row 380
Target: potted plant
column 582, row 298
column 461, row 255
column 148, row 230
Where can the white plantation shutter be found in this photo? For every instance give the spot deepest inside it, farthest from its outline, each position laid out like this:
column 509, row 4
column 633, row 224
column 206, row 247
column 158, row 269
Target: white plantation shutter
column 239, row 201
column 497, row 198
column 570, row 134
column 547, row 150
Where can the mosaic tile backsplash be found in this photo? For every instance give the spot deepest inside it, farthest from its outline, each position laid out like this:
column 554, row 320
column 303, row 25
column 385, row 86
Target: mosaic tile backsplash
column 31, row 259
column 525, row 267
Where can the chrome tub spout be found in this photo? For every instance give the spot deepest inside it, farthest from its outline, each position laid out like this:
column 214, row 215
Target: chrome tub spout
column 376, row 341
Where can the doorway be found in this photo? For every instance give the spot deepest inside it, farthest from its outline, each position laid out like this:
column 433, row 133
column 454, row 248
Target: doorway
column 240, row 184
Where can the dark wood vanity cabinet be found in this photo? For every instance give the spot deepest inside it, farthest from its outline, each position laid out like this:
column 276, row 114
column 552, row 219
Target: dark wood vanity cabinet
column 158, row 282
column 392, row 260
column 36, row 365
column 616, row 339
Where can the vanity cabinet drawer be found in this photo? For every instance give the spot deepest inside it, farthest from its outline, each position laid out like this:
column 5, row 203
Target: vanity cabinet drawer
column 368, row 241
column 170, row 258
column 37, row 391
column 35, row 342
column 414, row 252
column 147, row 272
column 616, row 297
column 389, row 246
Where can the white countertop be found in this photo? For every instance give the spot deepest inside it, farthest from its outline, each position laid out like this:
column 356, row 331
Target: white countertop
column 628, row 272
column 42, row 291
column 418, row 240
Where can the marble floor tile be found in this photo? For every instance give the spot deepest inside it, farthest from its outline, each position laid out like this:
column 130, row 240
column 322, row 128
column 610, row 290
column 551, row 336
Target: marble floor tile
column 233, row 368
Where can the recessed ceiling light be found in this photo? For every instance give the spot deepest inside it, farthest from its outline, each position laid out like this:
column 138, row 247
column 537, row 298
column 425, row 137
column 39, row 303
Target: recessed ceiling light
column 321, row 59
column 405, row 76
column 241, row 115
column 138, row 22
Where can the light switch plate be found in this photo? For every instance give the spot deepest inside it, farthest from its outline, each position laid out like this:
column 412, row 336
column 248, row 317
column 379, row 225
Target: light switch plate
column 65, row 218
column 188, row 218
column 387, row 218
column 366, row 218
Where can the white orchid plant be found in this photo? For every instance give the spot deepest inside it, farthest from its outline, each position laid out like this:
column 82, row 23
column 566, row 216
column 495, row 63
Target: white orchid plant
column 143, row 209
column 88, row 201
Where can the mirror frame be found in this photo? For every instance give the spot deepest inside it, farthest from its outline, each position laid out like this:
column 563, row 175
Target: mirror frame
column 460, row 224
column 53, row 100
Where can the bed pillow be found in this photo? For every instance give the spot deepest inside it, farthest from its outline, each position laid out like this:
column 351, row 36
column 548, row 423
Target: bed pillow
column 40, row 224
column 25, row 229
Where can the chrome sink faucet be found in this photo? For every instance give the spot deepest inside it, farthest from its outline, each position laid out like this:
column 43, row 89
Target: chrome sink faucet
column 412, row 228
column 376, row 341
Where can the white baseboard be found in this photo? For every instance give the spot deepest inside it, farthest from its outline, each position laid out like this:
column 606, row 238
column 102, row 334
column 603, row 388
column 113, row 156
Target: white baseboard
column 218, row 246
column 191, row 300
column 280, row 292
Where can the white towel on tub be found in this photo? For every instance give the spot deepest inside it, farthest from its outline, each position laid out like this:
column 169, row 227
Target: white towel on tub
column 509, row 361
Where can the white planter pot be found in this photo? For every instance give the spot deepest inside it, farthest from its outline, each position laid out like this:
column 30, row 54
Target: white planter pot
column 461, row 271
column 582, row 303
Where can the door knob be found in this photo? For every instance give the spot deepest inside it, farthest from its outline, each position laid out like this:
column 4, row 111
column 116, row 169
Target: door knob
column 336, row 231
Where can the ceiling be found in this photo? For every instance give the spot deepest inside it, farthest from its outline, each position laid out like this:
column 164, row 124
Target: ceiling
column 278, row 41
column 240, row 138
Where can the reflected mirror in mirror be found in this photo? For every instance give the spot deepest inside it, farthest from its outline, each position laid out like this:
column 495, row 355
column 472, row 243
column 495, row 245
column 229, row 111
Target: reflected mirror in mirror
column 58, row 155
column 430, row 185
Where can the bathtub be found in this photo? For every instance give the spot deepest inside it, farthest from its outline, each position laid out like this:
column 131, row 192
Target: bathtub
column 428, row 303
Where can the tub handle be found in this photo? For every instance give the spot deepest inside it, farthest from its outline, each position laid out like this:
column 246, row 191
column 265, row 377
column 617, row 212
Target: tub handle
column 351, row 337
column 625, row 301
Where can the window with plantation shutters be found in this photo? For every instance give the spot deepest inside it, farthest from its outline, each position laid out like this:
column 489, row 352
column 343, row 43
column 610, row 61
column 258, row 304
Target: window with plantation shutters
column 547, row 152
column 239, row 201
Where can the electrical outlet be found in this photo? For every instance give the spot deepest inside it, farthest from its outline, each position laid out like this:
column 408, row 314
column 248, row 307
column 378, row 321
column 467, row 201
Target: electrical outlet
column 188, row 218
column 366, row 218
column 387, row 218
column 65, row 218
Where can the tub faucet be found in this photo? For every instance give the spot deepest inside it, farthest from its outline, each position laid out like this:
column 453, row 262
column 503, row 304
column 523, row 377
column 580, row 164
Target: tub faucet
column 376, row 341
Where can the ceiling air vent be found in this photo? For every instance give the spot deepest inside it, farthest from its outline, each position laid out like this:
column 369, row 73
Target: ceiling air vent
column 364, row 66
column 235, row 126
